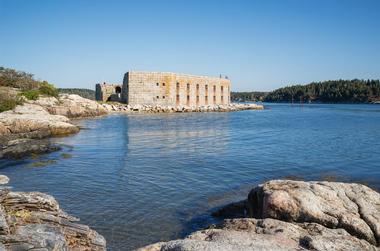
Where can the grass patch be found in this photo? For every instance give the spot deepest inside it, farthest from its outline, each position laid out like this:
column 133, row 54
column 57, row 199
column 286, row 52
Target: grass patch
column 9, row 104
column 44, row 89
column 31, row 94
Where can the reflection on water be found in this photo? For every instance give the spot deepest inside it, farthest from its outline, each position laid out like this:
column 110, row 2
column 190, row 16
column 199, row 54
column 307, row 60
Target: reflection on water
column 139, row 179
column 175, row 133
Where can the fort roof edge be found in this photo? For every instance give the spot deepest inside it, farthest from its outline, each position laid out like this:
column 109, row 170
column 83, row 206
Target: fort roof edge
column 180, row 74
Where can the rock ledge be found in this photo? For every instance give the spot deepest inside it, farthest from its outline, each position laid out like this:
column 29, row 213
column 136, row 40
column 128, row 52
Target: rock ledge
column 34, row 221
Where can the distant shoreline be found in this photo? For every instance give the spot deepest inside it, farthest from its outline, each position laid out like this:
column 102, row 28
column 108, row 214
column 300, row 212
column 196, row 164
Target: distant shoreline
column 327, row 103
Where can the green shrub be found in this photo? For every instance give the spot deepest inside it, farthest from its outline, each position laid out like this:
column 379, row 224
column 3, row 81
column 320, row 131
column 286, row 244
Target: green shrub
column 7, row 103
column 48, row 89
column 31, row 94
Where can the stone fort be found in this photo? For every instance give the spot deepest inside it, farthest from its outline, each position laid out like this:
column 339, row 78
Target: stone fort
column 166, row 89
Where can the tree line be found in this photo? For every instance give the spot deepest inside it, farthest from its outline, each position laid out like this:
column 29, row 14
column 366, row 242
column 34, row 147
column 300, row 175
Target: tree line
column 333, row 91
column 248, row 96
column 85, row 93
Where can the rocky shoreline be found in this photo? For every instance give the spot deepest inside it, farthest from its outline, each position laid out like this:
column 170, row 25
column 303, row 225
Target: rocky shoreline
column 292, row 215
column 117, row 107
column 34, row 221
column 25, row 129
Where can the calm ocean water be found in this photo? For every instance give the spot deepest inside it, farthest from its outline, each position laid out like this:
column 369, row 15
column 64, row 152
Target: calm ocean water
column 139, row 179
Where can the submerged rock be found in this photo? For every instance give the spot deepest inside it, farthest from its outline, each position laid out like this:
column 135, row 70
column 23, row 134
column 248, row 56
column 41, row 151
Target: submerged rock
column 233, row 210
column 34, row 221
column 4, row 180
column 293, row 215
column 19, row 148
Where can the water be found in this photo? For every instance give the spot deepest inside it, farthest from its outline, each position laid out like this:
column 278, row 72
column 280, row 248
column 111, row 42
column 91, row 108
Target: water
column 139, row 179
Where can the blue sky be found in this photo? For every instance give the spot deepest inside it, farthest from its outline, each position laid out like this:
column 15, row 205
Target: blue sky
column 260, row 45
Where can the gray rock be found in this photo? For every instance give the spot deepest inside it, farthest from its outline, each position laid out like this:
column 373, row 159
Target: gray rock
column 42, row 236
column 34, row 221
column 266, row 234
column 353, row 207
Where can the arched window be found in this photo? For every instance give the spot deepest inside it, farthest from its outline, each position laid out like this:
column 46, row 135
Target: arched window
column 118, row 89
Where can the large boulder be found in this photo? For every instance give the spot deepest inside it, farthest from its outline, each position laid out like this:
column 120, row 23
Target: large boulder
column 292, row 215
column 353, row 207
column 72, row 106
column 31, row 117
column 22, row 129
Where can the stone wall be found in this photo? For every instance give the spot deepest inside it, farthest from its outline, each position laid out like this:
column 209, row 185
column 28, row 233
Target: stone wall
column 171, row 89
column 108, row 92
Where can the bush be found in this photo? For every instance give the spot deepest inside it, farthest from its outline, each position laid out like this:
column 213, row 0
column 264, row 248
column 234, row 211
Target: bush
column 17, row 79
column 7, row 104
column 8, row 99
column 31, row 94
column 48, row 89
column 25, row 82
